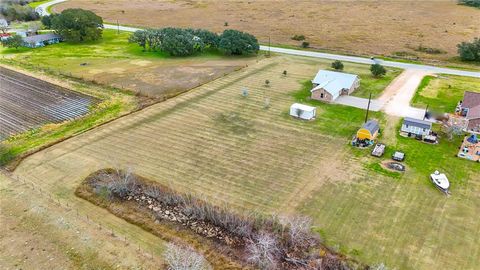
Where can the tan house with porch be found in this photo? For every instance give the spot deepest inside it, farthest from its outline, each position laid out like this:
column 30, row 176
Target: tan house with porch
column 329, row 85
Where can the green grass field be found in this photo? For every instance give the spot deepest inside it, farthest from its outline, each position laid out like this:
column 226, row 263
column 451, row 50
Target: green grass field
column 443, row 92
column 115, row 62
column 226, row 148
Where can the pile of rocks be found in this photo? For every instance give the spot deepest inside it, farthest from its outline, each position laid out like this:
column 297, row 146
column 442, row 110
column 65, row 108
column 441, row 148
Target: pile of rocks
column 174, row 214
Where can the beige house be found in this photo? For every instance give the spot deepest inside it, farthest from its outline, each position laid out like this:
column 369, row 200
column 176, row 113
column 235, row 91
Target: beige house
column 329, row 85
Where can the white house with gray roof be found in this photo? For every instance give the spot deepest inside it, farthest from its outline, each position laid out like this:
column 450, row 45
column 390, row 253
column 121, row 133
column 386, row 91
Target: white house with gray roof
column 416, row 127
column 41, row 40
column 329, row 85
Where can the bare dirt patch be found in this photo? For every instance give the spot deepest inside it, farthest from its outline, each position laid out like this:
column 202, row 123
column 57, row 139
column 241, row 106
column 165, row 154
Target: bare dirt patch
column 364, row 27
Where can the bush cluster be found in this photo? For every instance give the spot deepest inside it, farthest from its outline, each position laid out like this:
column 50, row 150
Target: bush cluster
column 18, row 10
column 185, row 42
column 469, row 51
column 472, row 3
column 298, row 37
column 268, row 242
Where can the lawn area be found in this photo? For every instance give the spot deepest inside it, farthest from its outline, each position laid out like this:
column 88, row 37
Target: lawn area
column 115, row 62
column 229, row 149
column 38, row 3
column 370, row 84
column 442, row 93
column 404, row 221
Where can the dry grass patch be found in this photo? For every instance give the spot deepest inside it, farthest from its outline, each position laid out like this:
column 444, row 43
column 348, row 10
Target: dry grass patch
column 362, row 27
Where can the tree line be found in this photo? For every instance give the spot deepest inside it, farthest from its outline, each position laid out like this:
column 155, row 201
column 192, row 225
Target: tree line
column 187, row 41
column 18, row 10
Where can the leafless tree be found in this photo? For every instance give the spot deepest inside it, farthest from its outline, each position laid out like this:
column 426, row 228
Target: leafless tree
column 263, row 251
column 299, row 232
column 184, row 258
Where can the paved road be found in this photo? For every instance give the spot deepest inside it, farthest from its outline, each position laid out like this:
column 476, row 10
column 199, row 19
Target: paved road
column 43, row 9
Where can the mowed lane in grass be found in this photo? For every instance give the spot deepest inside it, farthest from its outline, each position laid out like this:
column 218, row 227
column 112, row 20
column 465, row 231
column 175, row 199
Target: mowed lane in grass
column 257, row 153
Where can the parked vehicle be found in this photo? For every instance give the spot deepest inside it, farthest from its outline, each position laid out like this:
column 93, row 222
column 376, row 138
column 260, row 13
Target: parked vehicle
column 378, row 150
column 440, row 180
column 398, row 156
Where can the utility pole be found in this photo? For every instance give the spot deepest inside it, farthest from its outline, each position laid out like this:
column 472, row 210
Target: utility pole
column 118, row 28
column 368, row 107
column 269, row 46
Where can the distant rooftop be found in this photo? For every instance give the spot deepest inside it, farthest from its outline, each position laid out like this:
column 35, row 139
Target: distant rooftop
column 40, row 38
column 417, row 123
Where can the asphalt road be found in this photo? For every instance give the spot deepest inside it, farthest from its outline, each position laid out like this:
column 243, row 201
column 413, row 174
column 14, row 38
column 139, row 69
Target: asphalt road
column 43, row 10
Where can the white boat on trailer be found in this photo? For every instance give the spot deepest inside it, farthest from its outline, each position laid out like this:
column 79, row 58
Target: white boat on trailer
column 440, row 180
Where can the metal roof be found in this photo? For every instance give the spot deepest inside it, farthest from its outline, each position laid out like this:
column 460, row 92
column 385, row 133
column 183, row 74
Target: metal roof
column 417, row 123
column 302, row 107
column 371, row 126
column 40, row 38
column 333, row 82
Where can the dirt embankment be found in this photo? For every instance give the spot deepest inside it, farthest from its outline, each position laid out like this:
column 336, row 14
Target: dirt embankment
column 225, row 238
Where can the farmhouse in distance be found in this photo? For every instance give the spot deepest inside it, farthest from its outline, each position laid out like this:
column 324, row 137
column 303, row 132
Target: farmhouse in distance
column 329, row 85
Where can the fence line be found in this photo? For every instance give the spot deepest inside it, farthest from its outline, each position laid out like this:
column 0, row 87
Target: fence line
column 84, row 218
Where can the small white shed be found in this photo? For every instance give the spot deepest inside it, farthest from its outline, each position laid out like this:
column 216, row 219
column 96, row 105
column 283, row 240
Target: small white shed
column 303, row 111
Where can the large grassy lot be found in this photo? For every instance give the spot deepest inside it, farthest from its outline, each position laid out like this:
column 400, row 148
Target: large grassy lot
column 115, row 62
column 443, row 92
column 218, row 145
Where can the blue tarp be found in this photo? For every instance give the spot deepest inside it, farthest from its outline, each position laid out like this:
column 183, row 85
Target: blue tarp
column 473, row 138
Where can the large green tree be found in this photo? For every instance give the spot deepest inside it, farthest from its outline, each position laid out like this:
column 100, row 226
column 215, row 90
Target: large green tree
column 78, row 25
column 469, row 51
column 234, row 42
column 178, row 42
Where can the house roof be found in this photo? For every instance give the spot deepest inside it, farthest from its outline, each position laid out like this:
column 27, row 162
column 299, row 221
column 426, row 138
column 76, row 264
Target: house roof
column 417, row 123
column 333, row 82
column 372, row 126
column 302, row 107
column 471, row 100
column 40, row 38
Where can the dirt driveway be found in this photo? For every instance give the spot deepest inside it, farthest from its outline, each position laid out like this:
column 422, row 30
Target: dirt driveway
column 399, row 93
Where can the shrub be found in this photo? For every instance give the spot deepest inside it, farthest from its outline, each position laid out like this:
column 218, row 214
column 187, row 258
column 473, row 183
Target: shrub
column 338, row 65
column 378, row 70
column 469, row 51
column 305, row 44
column 471, row 3
column 429, row 50
column 14, row 41
column 298, row 37
column 234, row 42
column 17, row 11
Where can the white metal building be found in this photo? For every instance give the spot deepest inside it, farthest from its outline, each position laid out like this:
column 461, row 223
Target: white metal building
column 303, row 111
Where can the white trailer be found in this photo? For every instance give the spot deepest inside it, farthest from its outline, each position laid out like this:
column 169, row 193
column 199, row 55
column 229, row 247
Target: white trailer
column 303, row 111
